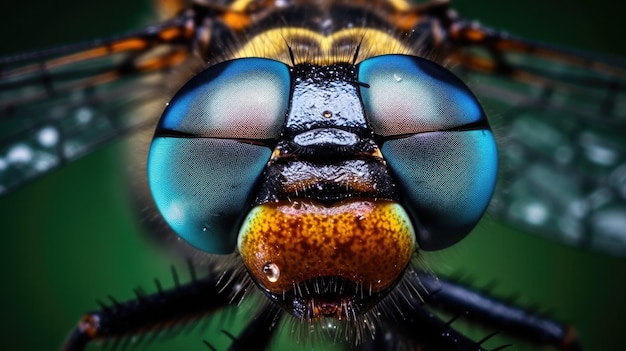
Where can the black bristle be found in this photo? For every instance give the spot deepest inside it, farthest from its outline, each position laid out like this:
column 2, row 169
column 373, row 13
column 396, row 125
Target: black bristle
column 103, row 306
column 157, row 282
column 113, row 300
column 175, row 277
column 192, row 271
column 208, row 344
column 487, row 337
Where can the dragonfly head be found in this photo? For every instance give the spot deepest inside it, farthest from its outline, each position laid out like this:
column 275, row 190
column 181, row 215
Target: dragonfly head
column 325, row 179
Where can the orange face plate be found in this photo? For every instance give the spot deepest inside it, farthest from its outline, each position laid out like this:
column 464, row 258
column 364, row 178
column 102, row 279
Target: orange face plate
column 364, row 241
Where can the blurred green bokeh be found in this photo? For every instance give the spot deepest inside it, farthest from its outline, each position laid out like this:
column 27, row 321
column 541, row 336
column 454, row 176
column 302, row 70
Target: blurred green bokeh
column 72, row 237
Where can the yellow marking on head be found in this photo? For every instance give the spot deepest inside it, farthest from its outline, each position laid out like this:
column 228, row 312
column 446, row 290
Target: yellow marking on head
column 240, row 5
column 312, row 47
column 401, row 5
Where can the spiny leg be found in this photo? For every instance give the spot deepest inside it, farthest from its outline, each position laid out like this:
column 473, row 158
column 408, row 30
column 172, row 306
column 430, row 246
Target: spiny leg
column 420, row 329
column 260, row 331
column 479, row 308
column 148, row 314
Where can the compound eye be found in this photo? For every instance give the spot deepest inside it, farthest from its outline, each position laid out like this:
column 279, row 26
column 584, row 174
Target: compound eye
column 438, row 144
column 409, row 95
column 208, row 152
column 238, row 99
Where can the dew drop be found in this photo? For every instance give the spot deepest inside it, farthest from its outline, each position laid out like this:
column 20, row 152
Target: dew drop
column 48, row 136
column 272, row 272
column 84, row 115
column 535, row 213
column 20, row 153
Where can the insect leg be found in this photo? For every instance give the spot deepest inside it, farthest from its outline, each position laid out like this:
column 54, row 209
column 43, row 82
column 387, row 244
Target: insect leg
column 259, row 332
column 485, row 310
column 165, row 309
column 420, row 329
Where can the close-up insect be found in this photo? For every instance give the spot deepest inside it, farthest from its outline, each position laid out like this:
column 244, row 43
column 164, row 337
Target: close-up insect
column 548, row 256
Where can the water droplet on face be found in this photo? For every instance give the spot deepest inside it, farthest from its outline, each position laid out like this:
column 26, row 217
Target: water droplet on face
column 272, row 272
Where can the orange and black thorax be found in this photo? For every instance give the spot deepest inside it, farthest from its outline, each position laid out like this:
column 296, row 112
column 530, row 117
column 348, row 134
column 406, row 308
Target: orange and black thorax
column 321, row 32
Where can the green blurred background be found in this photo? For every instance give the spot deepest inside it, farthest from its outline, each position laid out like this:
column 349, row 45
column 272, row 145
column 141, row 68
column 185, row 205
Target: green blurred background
column 72, row 237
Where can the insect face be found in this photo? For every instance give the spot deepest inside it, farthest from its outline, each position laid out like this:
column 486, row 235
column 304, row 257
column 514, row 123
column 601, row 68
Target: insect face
column 338, row 170
column 71, row 236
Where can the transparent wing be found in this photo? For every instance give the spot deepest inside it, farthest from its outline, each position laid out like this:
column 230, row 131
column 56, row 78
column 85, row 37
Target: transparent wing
column 58, row 105
column 560, row 116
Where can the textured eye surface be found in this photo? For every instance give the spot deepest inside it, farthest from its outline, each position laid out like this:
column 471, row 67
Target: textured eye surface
column 201, row 187
column 408, row 94
column 199, row 176
column 440, row 148
column 447, row 180
column 245, row 98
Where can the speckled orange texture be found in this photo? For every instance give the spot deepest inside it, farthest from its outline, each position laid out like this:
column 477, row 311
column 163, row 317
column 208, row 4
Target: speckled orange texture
column 365, row 241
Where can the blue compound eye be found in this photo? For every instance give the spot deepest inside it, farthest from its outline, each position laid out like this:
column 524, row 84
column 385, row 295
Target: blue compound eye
column 238, row 99
column 207, row 151
column 408, row 94
column 438, row 145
